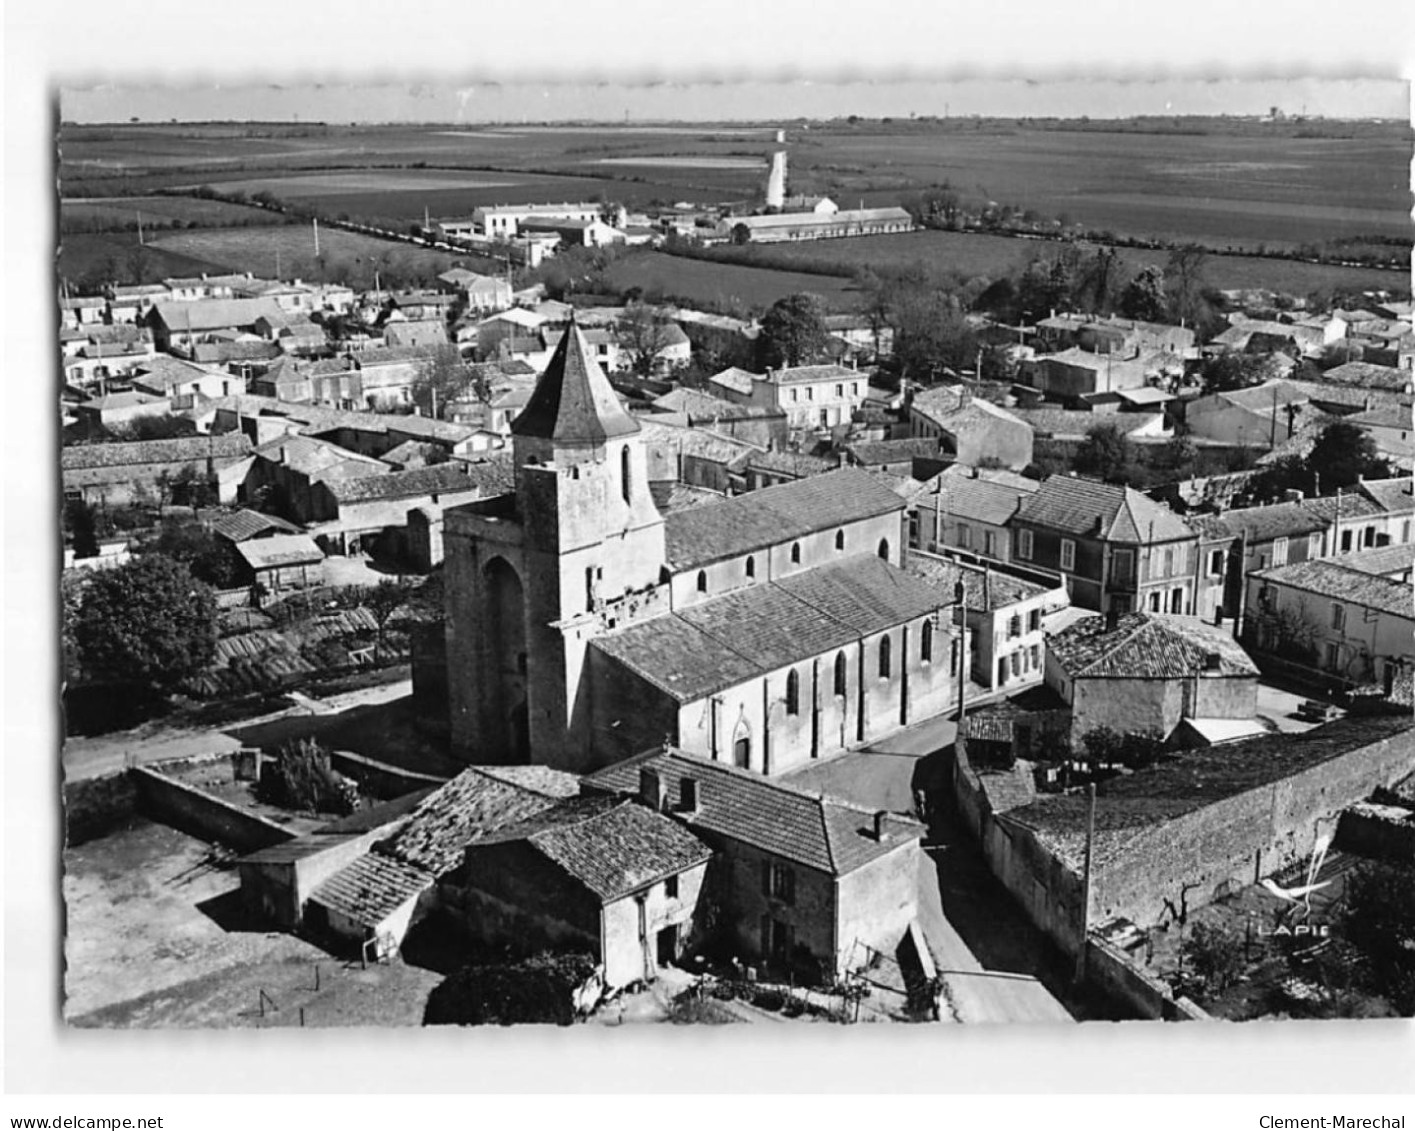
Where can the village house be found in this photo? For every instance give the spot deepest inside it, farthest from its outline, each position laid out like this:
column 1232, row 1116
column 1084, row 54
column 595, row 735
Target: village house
column 969, row 509
column 180, row 325
column 1356, row 626
column 812, row 396
column 78, row 311
column 501, row 333
column 1004, row 617
column 1075, row 372
column 972, row 429
column 97, row 363
column 291, row 467
column 697, row 457
column 1141, row 672
column 1239, row 542
column 603, row 874
column 1364, row 375
column 1257, row 417
column 573, row 233
column 183, row 382
column 765, row 630
column 918, row 457
column 806, row 885
column 420, row 333
column 116, row 411
column 129, row 303
column 1074, row 425
column 1117, row 549
column 114, row 474
column 1114, row 335
column 770, row 468
column 502, row 221
column 277, row 563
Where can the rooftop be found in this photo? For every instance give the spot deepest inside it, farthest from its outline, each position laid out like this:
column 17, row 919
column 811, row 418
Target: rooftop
column 613, row 846
column 280, row 550
column 1147, row 646
column 371, row 888
column 1101, row 510
column 985, row 589
column 574, row 402
column 229, row 445
column 1261, row 524
column 770, row 815
column 873, row 452
column 1343, row 583
column 1388, row 561
column 702, row 649
column 437, row 479
column 979, row 500
column 244, row 524
column 775, row 514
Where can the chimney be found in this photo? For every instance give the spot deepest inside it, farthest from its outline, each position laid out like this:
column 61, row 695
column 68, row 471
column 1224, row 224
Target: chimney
column 1112, row 617
column 880, row 815
column 651, row 789
column 688, row 795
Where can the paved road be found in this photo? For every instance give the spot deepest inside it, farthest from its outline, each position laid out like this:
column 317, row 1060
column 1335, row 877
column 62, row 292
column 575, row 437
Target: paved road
column 105, row 754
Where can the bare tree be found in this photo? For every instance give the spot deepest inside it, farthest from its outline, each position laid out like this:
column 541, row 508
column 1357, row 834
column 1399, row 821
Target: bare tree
column 644, row 332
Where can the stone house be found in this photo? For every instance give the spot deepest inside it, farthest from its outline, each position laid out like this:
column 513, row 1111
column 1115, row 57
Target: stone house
column 1141, row 672
column 1355, row 626
column 973, row 430
column 803, row 882
column 597, row 873
column 968, row 509
column 114, row 474
column 1117, row 549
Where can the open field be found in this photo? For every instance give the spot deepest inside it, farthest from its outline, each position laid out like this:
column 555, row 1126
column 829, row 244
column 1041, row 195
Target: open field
column 1219, row 181
column 970, row 254
column 725, row 286
column 156, row 937
column 116, row 256
column 119, row 213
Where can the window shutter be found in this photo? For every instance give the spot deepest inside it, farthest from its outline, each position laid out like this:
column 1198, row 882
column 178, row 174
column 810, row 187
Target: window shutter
column 766, row 877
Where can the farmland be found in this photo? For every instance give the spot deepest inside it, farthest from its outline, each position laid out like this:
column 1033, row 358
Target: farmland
column 121, row 213
column 344, row 256
column 1222, row 182
column 724, row 286
column 970, row 254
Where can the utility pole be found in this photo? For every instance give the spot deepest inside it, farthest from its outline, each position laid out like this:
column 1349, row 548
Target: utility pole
column 140, row 242
column 960, row 597
column 1086, row 883
column 1272, row 428
column 316, row 237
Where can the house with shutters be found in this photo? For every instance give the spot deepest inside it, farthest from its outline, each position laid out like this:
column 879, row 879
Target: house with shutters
column 1116, row 549
column 804, row 883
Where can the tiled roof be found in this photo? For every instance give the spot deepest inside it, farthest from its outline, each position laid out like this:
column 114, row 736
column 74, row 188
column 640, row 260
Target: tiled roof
column 280, row 550
column 244, row 524
column 726, row 641
column 701, row 442
column 1341, row 583
column 869, row 452
column 613, row 846
column 1384, row 560
column 738, row 380
column 309, row 456
column 573, row 402
column 1395, row 496
column 230, row 445
column 794, row 375
column 371, row 888
column 975, row 413
column 796, row 464
column 1065, row 422
column 471, row 806
column 1135, row 806
column 1368, row 376
column 442, row 477
column 976, row 500
column 1146, row 646
column 1105, row 510
column 1348, row 505
column 770, row 815
column 216, row 313
column 1261, row 524
column 392, row 355
column 695, row 404
column 673, row 496
column 775, row 514
column 985, row 589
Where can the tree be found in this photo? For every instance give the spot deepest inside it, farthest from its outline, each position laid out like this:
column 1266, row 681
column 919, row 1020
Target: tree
column 1104, row 453
column 1096, row 281
column 1144, row 296
column 442, row 377
column 1230, row 372
column 83, row 528
column 1176, row 460
column 643, row 333
column 1135, row 749
column 211, row 559
column 1186, row 274
column 1215, row 959
column 1342, row 454
column 382, row 601
column 932, row 337
column 1379, row 921
column 153, row 428
column 793, row 332
column 147, row 623
column 302, row 778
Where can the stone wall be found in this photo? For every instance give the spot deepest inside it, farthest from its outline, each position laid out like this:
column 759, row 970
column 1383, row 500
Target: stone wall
column 96, row 806
column 1110, row 971
column 199, row 814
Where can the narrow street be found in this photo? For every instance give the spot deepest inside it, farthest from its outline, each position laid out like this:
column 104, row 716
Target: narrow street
column 995, row 965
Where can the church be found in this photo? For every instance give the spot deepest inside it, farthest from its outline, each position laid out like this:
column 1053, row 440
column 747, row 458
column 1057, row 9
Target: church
column 766, row 630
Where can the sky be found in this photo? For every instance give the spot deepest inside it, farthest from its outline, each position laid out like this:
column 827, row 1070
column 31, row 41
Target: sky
column 748, row 98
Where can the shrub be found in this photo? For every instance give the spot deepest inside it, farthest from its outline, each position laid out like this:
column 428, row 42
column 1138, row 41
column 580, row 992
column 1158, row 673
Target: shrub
column 539, row 990
column 302, row 778
column 1215, row 960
